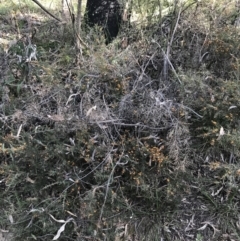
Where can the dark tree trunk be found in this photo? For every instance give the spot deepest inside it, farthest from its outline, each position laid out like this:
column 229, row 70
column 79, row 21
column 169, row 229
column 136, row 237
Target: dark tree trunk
column 106, row 14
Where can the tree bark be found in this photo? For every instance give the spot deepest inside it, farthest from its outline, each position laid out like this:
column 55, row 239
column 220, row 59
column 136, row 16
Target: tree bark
column 78, row 31
column 127, row 12
column 66, row 10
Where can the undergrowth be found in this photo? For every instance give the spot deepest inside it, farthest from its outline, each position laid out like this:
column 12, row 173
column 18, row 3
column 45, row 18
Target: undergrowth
column 139, row 142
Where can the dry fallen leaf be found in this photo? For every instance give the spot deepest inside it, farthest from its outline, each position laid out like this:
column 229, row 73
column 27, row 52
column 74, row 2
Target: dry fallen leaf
column 56, row 117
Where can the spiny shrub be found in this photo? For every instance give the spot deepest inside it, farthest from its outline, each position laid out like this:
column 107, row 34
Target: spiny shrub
column 217, row 102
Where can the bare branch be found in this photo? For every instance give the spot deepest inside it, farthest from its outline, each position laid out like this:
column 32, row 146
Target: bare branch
column 45, row 10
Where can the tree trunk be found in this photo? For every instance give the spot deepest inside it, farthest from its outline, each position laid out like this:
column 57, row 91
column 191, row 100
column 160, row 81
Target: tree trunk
column 78, row 32
column 107, row 14
column 127, row 12
column 65, row 10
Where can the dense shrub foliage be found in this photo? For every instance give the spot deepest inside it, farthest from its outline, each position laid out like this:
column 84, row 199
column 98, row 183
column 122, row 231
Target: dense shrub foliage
column 139, row 142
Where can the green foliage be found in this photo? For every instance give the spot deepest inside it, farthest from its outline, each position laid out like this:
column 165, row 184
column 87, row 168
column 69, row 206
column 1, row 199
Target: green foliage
column 199, row 237
column 217, row 102
column 224, row 51
column 133, row 139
